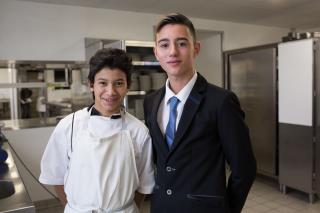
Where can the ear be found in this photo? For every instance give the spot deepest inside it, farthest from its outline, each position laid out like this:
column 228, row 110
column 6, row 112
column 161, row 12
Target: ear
column 197, row 47
column 90, row 85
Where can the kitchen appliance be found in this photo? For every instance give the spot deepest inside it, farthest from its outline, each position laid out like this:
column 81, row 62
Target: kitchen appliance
column 252, row 75
column 299, row 116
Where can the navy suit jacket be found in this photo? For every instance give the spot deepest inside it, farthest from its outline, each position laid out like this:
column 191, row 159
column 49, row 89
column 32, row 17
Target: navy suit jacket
column 191, row 176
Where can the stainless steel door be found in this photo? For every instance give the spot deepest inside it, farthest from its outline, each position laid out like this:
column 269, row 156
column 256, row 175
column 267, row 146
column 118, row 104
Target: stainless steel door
column 252, row 77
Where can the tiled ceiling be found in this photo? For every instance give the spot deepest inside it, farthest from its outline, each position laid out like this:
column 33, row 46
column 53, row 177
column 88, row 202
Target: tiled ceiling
column 299, row 14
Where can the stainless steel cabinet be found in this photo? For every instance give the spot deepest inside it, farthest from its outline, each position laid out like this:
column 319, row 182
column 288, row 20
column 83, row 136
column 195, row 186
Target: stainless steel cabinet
column 279, row 90
column 299, row 118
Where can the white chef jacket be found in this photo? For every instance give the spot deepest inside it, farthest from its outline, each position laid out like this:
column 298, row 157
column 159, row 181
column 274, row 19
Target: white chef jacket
column 55, row 159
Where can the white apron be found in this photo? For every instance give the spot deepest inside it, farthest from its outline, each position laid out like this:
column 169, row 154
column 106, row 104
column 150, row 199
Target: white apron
column 102, row 175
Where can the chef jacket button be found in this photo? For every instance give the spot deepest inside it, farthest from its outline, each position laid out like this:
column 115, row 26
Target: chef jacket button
column 168, row 168
column 169, row 192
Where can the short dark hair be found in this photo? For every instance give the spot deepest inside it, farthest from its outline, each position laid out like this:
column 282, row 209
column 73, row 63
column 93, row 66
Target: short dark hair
column 111, row 58
column 176, row 18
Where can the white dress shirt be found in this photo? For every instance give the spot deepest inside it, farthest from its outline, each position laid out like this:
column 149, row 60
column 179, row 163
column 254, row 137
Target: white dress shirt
column 164, row 108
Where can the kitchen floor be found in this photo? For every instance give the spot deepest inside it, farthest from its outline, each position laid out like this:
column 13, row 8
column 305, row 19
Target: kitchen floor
column 264, row 197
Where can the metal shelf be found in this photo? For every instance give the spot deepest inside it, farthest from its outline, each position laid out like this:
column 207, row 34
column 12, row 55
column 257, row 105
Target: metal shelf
column 139, row 43
column 136, row 93
column 146, row 63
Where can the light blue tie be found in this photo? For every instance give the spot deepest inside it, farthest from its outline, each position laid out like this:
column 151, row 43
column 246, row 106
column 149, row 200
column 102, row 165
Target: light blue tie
column 171, row 127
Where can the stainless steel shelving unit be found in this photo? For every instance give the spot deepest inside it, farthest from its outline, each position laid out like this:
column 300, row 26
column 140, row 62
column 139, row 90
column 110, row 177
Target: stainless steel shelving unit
column 142, row 52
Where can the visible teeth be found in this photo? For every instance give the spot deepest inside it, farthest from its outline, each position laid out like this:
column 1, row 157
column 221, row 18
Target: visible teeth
column 108, row 99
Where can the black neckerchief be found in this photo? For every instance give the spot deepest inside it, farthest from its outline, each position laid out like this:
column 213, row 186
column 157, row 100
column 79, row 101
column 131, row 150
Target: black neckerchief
column 94, row 112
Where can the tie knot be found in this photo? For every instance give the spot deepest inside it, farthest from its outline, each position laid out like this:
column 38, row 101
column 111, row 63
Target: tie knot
column 173, row 102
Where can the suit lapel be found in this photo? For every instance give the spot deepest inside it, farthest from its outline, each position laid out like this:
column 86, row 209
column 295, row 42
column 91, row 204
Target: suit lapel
column 190, row 109
column 154, row 121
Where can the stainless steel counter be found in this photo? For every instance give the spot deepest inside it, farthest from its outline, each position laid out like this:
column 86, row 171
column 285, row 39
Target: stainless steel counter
column 19, row 202
column 30, row 123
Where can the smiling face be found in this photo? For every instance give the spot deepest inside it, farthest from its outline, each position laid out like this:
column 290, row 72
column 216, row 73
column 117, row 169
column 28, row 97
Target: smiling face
column 109, row 88
column 176, row 50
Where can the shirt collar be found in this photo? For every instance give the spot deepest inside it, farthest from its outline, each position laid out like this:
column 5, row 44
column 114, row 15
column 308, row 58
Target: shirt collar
column 95, row 112
column 184, row 93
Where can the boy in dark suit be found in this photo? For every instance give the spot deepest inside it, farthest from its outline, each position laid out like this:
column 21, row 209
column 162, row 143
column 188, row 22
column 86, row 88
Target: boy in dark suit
column 196, row 127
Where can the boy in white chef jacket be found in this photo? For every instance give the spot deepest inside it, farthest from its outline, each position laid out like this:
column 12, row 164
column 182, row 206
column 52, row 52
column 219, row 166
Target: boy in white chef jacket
column 99, row 159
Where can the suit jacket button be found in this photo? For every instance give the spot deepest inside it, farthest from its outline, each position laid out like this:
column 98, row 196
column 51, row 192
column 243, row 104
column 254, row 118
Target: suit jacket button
column 168, row 168
column 169, row 192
